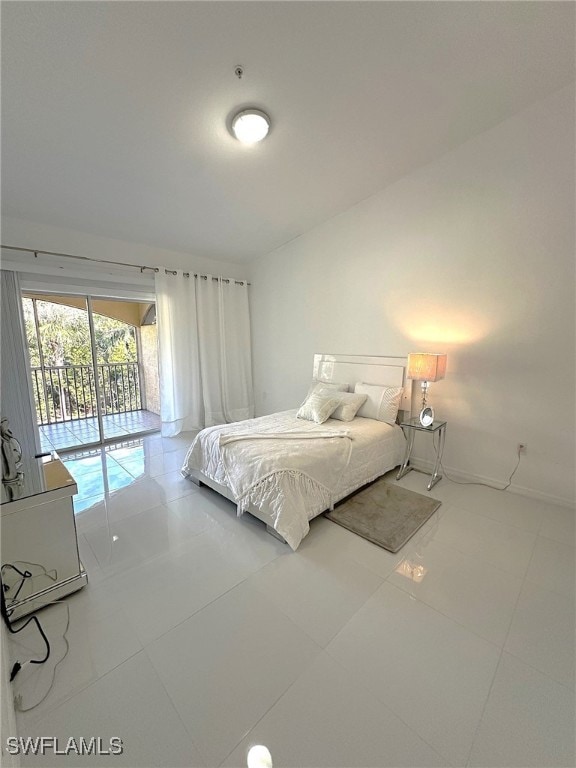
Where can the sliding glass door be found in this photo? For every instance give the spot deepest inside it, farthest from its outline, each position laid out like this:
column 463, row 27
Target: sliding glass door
column 88, row 377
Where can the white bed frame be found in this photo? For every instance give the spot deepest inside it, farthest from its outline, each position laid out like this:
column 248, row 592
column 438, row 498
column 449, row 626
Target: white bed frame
column 347, row 369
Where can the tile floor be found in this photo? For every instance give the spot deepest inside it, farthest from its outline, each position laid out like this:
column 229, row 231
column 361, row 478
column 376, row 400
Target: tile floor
column 199, row 635
column 78, row 432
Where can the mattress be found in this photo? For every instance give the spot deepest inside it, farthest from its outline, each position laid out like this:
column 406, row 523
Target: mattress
column 291, row 470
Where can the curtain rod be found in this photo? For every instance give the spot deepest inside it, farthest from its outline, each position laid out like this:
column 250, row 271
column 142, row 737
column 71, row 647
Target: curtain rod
column 36, row 251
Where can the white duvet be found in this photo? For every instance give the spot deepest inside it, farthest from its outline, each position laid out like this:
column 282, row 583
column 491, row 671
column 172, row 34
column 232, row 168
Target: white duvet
column 292, row 469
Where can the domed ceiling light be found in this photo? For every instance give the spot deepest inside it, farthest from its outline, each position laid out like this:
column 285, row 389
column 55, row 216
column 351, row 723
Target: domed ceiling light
column 250, row 126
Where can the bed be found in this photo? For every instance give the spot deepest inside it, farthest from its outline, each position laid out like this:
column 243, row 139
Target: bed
column 286, row 470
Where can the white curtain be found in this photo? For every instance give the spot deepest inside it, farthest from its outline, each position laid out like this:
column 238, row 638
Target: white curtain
column 16, row 399
column 204, row 351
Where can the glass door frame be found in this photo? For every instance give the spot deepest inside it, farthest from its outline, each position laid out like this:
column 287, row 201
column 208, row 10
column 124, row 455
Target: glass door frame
column 88, row 298
column 95, row 370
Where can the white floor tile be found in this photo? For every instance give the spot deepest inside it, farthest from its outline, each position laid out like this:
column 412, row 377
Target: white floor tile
column 121, row 544
column 94, row 648
column 129, row 703
column 208, row 502
column 153, row 465
column 139, row 496
column 163, row 593
column 157, row 594
column 102, row 594
column 559, row 523
column 128, row 451
column 153, row 444
column 181, row 441
column 78, row 463
column 320, row 593
column 433, row 673
column 90, row 483
column 542, row 632
column 174, row 486
column 463, row 587
column 508, row 508
column 136, row 466
column 227, row 665
column 90, row 515
column 246, row 544
column 89, row 561
column 327, row 539
column 552, row 566
column 507, row 547
column 326, row 719
column 529, row 721
column 446, row 492
column 408, row 663
column 171, row 462
column 193, row 510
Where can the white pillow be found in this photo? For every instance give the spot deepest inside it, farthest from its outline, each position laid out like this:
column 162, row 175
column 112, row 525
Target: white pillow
column 335, row 386
column 382, row 403
column 318, row 408
column 349, row 404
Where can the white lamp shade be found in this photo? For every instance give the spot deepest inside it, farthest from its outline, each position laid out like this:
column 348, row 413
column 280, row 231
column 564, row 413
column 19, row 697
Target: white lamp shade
column 426, row 367
column 250, row 126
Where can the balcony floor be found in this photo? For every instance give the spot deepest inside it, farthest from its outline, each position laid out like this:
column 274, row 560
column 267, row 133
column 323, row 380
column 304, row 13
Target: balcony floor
column 78, row 432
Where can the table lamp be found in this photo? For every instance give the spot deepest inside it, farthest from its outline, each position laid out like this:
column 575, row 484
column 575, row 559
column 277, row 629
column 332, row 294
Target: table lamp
column 425, row 368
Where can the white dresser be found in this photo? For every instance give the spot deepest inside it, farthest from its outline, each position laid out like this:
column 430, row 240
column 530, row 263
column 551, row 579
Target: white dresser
column 39, row 546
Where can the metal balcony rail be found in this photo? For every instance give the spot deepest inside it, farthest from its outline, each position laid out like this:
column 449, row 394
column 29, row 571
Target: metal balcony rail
column 66, row 392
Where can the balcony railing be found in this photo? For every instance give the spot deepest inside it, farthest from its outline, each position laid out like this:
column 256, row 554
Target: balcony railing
column 66, row 392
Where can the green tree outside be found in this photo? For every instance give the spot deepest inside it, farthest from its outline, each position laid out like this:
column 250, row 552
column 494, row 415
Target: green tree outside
column 65, row 339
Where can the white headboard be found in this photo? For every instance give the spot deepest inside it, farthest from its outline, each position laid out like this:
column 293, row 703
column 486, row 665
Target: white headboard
column 387, row 371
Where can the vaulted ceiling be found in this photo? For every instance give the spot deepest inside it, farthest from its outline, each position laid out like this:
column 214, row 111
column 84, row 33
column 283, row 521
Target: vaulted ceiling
column 114, row 114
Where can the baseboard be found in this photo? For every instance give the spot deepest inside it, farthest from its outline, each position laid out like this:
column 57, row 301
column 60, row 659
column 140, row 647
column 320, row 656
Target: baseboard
column 457, row 474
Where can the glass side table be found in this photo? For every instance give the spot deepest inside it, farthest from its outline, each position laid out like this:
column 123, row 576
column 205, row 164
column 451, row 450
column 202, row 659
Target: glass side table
column 411, row 426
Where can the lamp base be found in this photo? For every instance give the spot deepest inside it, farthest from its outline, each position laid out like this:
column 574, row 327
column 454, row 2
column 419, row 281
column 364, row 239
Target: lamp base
column 426, row 416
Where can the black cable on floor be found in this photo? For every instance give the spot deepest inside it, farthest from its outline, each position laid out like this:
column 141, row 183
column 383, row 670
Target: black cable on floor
column 23, row 574
column 33, row 619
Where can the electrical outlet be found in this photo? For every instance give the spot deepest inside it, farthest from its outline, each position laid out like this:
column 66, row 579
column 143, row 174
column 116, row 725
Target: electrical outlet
column 522, row 448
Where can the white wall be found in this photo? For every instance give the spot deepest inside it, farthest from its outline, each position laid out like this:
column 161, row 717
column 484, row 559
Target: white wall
column 472, row 255
column 28, row 234
column 8, row 716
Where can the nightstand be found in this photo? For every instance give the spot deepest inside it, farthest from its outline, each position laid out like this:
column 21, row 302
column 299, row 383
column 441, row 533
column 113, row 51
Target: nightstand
column 40, row 559
column 410, row 427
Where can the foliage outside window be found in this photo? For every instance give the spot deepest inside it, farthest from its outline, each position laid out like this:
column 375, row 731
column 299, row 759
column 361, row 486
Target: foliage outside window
column 64, row 387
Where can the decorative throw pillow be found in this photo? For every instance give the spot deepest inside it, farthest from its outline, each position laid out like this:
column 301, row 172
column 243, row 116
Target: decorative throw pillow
column 334, row 386
column 318, row 408
column 382, row 402
column 350, row 403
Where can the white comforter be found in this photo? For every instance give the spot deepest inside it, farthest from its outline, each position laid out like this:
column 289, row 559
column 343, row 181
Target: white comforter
column 293, row 469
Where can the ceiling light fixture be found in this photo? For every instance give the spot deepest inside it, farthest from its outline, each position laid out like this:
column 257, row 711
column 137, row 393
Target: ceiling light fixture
column 250, row 126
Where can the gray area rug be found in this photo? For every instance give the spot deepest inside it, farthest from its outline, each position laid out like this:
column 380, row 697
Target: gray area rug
column 385, row 514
